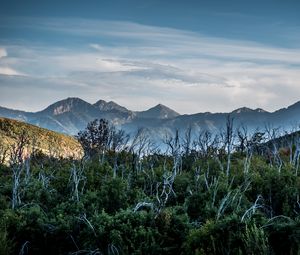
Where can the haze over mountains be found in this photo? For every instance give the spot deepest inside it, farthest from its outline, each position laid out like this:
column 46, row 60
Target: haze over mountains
column 72, row 115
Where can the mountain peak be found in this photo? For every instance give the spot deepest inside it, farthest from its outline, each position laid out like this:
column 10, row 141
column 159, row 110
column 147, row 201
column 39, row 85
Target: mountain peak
column 248, row 110
column 160, row 106
column 66, row 105
column 159, row 111
column 71, row 99
column 242, row 110
column 260, row 110
column 100, row 102
column 109, row 106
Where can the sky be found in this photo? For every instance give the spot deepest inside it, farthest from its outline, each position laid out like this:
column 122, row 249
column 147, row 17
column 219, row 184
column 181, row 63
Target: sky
column 193, row 56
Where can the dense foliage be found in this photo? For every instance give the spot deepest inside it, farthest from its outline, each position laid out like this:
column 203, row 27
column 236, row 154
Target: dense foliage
column 185, row 201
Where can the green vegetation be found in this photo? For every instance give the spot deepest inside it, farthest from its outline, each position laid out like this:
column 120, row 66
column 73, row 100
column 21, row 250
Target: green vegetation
column 119, row 200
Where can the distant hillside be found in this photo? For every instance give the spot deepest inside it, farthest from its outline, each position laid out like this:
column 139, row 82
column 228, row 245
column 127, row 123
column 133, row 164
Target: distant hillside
column 291, row 140
column 40, row 139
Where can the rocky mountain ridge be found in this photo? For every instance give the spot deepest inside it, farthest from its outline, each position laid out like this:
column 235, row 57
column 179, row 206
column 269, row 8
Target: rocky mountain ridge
column 72, row 114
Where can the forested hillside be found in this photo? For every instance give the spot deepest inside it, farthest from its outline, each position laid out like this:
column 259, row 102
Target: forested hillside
column 214, row 195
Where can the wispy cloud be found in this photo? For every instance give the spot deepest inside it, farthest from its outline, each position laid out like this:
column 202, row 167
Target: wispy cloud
column 3, row 53
column 8, row 71
column 138, row 66
column 4, row 69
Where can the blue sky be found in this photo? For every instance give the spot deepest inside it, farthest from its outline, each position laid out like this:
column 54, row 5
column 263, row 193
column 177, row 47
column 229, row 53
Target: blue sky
column 193, row 56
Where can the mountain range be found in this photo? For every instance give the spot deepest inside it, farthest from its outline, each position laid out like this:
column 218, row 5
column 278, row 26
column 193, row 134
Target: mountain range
column 71, row 115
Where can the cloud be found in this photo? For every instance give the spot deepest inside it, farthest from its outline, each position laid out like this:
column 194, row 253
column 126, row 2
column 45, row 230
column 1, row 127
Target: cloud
column 3, row 53
column 8, row 71
column 4, row 69
column 139, row 66
column 162, row 39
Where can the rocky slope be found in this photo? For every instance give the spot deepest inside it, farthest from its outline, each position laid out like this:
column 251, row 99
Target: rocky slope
column 39, row 139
